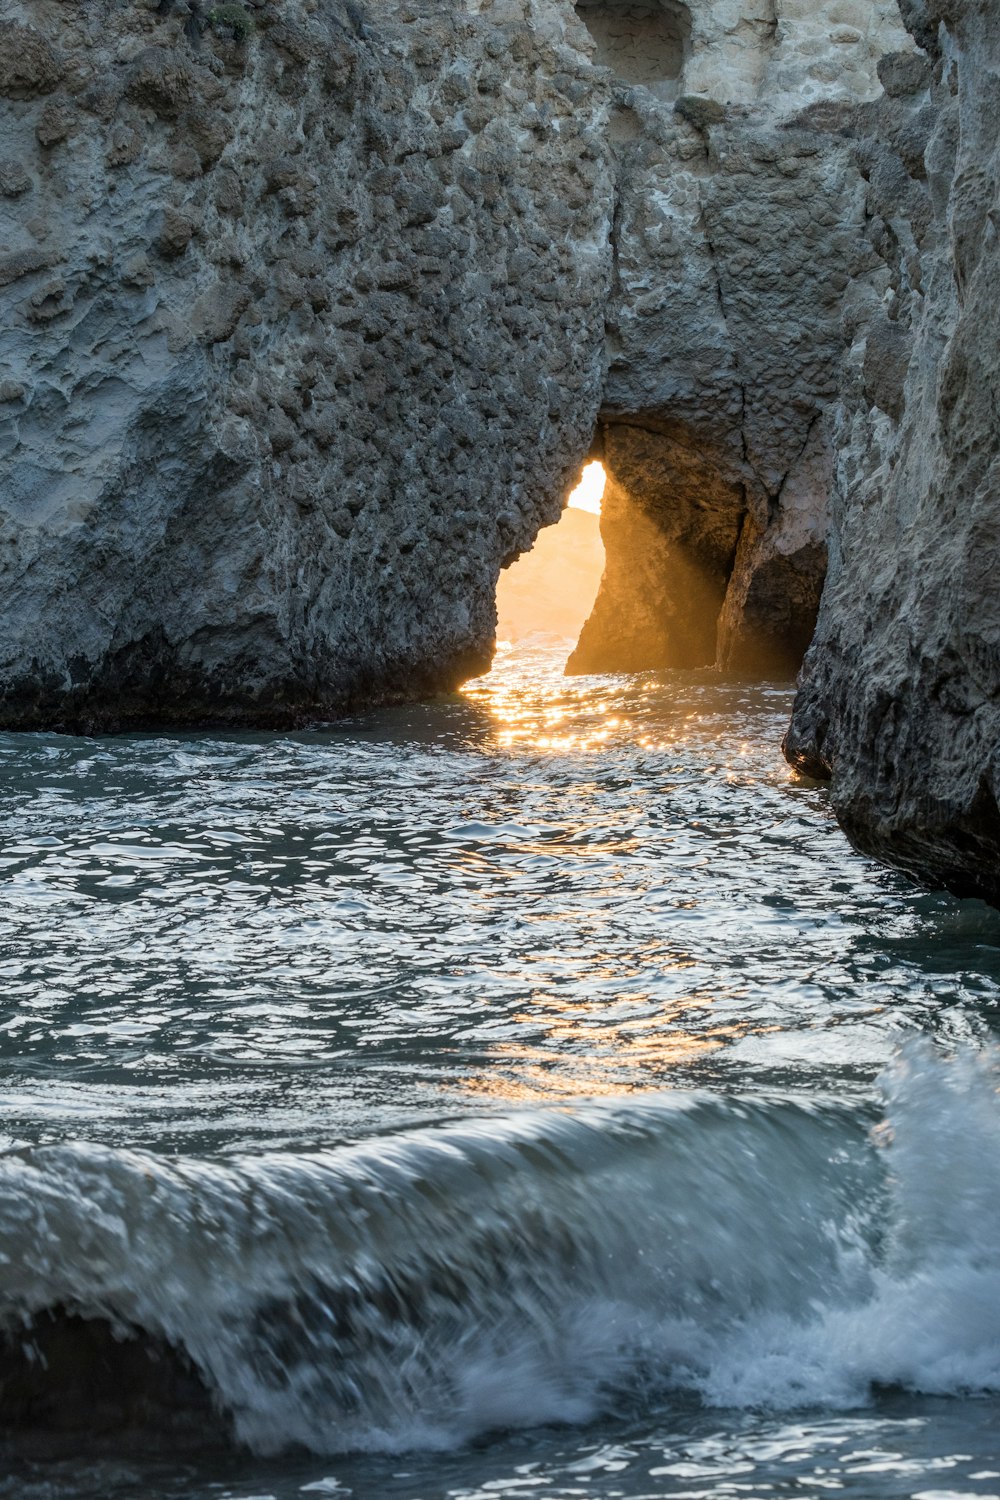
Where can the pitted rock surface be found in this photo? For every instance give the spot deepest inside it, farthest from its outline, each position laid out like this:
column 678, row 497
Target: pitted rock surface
column 310, row 312
column 302, row 339
column 900, row 691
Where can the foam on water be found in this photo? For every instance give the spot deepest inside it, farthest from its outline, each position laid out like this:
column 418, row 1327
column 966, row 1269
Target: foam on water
column 223, row 953
column 425, row 1287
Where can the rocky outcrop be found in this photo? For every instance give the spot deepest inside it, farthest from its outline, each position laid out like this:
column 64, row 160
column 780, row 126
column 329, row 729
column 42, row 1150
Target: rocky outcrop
column 740, row 225
column 900, row 692
column 302, row 339
column 310, row 311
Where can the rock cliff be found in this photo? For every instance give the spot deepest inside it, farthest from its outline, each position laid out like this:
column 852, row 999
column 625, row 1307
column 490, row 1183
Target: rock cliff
column 740, row 226
column 311, row 312
column 302, row 340
column 900, row 691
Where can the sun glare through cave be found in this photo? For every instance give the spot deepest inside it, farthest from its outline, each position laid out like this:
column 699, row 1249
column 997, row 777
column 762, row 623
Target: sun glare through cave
column 552, row 588
column 590, row 491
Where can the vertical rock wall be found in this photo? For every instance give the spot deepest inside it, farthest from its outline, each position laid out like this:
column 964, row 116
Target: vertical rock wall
column 310, row 312
column 900, row 692
column 739, row 228
column 301, row 340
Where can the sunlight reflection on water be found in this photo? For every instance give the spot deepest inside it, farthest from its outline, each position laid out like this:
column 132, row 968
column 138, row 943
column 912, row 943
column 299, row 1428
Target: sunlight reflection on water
column 540, row 889
column 543, row 887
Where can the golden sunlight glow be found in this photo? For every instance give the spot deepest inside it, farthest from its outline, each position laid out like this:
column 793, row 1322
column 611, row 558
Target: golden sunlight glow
column 552, row 588
column 590, row 491
column 595, row 1047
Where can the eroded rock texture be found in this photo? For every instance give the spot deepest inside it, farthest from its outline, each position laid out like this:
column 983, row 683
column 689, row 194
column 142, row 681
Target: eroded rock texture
column 311, row 310
column 301, row 340
column 740, row 225
column 899, row 700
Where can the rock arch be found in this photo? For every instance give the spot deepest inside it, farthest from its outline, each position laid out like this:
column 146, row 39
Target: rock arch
column 734, row 243
column 697, row 575
column 269, row 442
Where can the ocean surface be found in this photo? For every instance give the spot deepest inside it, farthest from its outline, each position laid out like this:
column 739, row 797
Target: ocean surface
column 528, row 1094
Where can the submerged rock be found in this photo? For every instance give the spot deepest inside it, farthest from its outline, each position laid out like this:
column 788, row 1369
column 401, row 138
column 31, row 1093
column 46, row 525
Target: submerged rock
column 84, row 1379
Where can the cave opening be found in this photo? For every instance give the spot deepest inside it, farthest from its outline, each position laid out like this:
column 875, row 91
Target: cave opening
column 551, row 590
column 641, row 41
column 666, row 557
column 699, row 572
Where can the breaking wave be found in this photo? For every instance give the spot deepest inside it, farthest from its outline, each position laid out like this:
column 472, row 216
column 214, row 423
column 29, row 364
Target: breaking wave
column 422, row 1288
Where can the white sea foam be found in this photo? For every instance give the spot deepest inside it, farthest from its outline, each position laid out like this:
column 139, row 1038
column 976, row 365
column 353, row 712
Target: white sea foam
column 426, row 1287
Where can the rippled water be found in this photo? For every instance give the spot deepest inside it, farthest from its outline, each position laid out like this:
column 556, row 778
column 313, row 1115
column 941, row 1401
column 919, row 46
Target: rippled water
column 280, row 964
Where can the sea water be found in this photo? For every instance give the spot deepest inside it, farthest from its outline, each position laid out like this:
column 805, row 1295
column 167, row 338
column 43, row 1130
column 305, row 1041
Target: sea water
column 526, row 1094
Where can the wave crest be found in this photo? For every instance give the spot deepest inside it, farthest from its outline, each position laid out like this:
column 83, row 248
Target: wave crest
column 420, row 1289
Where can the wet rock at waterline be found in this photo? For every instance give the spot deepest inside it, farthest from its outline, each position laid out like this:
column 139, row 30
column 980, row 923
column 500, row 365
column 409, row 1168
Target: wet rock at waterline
column 83, row 1378
column 899, row 695
column 310, row 315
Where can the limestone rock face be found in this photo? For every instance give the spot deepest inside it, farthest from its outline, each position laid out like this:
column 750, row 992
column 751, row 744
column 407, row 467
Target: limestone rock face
column 900, row 692
column 740, row 227
column 312, row 310
column 302, row 338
